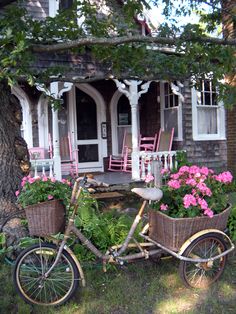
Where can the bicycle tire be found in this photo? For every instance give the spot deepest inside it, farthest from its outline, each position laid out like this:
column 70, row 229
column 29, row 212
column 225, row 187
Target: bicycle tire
column 202, row 275
column 29, row 280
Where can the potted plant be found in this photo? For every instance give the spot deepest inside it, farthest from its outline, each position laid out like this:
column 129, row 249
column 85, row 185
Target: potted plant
column 44, row 200
column 194, row 199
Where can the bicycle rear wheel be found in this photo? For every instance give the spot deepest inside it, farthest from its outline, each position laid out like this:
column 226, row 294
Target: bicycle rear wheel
column 34, row 287
column 202, row 275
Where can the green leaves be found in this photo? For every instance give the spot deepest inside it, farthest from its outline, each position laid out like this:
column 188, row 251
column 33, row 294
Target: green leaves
column 232, row 223
column 188, row 54
column 37, row 190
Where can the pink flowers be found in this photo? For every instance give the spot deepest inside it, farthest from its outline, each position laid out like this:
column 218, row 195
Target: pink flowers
column 195, row 191
column 164, row 207
column 189, row 200
column 224, row 177
column 174, row 184
column 42, row 189
column 149, row 178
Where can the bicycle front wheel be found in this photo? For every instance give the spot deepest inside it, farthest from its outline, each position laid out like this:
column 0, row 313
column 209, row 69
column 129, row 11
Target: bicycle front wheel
column 31, row 283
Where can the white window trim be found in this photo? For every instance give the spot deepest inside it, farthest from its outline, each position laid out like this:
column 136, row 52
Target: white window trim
column 53, row 7
column 179, row 113
column 220, row 121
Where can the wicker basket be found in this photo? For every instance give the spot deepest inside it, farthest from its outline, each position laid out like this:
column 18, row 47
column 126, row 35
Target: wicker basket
column 46, row 218
column 173, row 232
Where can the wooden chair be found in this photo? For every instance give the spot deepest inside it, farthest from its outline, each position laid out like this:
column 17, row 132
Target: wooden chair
column 163, row 146
column 165, row 140
column 148, row 143
column 122, row 162
column 37, row 153
column 69, row 157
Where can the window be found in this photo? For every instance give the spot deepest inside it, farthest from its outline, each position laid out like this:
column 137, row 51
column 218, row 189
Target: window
column 171, row 110
column 65, row 4
column 208, row 115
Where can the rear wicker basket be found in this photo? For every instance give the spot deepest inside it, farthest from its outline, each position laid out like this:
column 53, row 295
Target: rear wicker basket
column 46, row 218
column 173, row 232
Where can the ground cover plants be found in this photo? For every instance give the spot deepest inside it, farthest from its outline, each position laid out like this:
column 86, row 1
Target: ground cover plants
column 138, row 288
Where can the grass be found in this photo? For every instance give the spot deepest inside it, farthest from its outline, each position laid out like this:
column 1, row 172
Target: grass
column 138, row 288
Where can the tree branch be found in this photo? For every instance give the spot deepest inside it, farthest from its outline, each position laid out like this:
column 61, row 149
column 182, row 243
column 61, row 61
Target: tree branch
column 91, row 41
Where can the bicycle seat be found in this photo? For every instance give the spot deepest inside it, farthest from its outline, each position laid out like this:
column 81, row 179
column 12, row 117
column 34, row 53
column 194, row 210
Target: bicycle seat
column 152, row 194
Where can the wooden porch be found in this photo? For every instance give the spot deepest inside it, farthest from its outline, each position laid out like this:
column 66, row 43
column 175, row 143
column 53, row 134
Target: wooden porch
column 145, row 166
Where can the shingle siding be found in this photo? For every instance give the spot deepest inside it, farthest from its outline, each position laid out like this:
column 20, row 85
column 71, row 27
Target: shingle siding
column 38, row 9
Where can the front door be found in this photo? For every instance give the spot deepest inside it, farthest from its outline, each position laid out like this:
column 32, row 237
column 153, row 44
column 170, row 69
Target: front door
column 89, row 142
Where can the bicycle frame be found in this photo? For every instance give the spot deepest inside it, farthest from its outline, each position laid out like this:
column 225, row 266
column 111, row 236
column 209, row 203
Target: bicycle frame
column 114, row 254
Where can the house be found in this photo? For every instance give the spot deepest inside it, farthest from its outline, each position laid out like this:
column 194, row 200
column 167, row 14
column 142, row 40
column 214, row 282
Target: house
column 96, row 114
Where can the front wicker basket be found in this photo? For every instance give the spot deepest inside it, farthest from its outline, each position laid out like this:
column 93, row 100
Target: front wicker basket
column 173, row 232
column 46, row 218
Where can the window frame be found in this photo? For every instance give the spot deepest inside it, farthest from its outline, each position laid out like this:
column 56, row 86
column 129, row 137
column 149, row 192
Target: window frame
column 178, row 108
column 220, row 111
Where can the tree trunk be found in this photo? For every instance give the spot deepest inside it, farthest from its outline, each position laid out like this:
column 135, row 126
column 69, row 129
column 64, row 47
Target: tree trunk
column 229, row 31
column 14, row 156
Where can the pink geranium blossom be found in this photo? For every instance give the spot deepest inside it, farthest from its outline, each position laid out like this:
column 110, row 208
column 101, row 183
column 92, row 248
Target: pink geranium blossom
column 31, row 180
column 149, row 178
column 183, row 169
column 164, row 207
column 174, row 184
column 203, row 204
column 208, row 212
column 175, row 176
column 195, row 191
column 224, row 177
column 203, row 188
column 191, row 181
column 189, row 200
column 194, row 170
column 37, row 190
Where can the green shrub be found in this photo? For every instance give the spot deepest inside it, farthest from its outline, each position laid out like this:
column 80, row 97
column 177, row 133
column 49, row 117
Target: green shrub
column 232, row 223
column 103, row 229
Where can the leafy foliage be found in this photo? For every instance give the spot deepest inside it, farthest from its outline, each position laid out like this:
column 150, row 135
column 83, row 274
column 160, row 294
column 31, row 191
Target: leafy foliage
column 41, row 189
column 189, row 55
column 232, row 224
column 103, row 229
column 195, row 191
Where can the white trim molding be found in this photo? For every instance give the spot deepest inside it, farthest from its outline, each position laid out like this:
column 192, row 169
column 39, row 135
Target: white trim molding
column 26, row 114
column 178, row 107
column 220, row 112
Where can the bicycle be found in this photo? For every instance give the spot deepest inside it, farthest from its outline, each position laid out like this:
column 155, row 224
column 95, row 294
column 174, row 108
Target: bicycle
column 49, row 274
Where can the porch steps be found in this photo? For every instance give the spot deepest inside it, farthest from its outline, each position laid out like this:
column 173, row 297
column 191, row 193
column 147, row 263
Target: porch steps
column 107, row 195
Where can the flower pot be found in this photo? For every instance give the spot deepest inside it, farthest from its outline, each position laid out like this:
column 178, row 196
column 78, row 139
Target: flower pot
column 173, row 232
column 45, row 218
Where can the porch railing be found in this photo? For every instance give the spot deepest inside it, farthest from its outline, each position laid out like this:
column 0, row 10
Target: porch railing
column 44, row 166
column 166, row 158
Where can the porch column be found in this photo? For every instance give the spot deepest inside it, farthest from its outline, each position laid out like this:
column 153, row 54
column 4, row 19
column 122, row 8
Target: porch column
column 130, row 89
column 57, row 89
column 56, row 144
